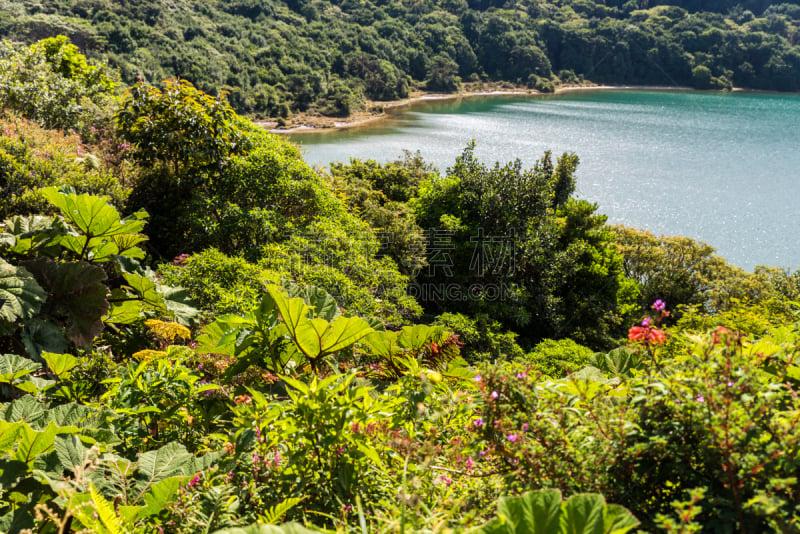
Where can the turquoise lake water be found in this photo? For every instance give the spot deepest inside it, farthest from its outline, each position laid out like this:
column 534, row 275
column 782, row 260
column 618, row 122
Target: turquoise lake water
column 722, row 168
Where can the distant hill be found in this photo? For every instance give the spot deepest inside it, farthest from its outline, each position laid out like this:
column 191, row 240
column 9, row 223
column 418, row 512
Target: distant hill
column 278, row 57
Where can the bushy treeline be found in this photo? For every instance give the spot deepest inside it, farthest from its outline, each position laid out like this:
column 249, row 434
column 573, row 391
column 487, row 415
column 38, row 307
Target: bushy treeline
column 198, row 330
column 276, row 57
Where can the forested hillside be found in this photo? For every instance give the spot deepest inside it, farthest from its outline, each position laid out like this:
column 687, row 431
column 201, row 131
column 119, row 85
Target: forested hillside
column 326, row 56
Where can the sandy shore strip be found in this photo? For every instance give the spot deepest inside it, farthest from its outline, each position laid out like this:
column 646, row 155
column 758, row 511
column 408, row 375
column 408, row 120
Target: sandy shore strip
column 378, row 111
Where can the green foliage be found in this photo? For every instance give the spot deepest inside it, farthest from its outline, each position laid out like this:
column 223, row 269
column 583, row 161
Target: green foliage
column 484, row 340
column 557, row 359
column 681, row 271
column 378, row 194
column 53, row 84
column 99, row 233
column 179, row 126
column 32, row 157
column 277, row 57
column 60, row 289
column 517, row 248
column 544, row 511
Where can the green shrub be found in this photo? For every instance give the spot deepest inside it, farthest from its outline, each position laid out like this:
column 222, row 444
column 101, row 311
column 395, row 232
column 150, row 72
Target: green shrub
column 51, row 83
column 557, row 359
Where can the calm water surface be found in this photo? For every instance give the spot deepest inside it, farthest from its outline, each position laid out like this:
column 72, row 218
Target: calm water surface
column 722, row 168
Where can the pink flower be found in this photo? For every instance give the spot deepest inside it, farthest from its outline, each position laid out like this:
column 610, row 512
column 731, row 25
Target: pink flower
column 700, row 398
column 512, row 438
column 525, row 427
column 478, row 422
column 195, row 480
column 469, row 463
column 495, row 394
column 477, row 378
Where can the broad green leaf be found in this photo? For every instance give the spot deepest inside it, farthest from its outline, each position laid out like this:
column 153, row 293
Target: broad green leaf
column 74, row 414
column 544, row 512
column 180, row 304
column 144, row 288
column 159, row 495
column 618, row 520
column 13, row 367
column 76, row 293
column 154, row 466
column 220, row 336
column 293, row 311
column 60, row 364
column 29, row 234
column 21, row 296
column 39, row 335
column 123, row 311
column 126, row 245
column 589, row 514
column 101, row 232
column 382, row 344
column 26, row 409
column 71, row 452
column 343, row 332
column 321, row 301
column 8, row 435
column 416, row 338
column 31, row 443
column 537, row 511
column 11, row 471
column 34, row 384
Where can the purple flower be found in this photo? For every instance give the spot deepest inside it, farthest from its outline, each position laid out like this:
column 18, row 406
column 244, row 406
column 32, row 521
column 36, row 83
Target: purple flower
column 479, row 422
column 646, row 321
column 659, row 305
column 512, row 438
column 524, row 427
column 700, row 398
column 482, row 453
column 477, row 378
column 495, row 394
column 730, row 383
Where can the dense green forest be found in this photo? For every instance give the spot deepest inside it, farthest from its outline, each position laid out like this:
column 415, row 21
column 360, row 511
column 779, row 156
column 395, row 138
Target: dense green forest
column 278, row 57
column 201, row 332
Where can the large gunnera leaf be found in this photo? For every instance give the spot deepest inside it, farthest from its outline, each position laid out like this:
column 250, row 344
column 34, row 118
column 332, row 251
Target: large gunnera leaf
column 544, row 512
column 21, row 296
column 101, row 233
column 76, row 296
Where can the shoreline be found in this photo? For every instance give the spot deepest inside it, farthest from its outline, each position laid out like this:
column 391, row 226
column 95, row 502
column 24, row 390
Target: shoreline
column 379, row 111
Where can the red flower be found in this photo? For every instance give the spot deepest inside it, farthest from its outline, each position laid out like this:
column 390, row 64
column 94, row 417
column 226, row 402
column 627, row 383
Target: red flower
column 646, row 334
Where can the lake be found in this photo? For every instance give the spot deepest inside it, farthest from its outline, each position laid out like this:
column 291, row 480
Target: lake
column 723, row 168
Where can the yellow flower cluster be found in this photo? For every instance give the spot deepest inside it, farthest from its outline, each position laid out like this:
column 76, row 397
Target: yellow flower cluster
column 168, row 331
